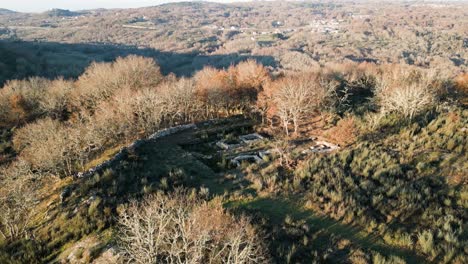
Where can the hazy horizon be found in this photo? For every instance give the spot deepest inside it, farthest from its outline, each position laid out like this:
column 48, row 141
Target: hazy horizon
column 41, row 6
column 34, row 6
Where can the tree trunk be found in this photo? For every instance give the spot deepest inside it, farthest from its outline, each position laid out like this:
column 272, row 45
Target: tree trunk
column 296, row 125
column 285, row 124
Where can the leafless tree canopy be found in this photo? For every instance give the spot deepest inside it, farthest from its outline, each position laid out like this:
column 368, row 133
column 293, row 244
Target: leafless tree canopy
column 177, row 229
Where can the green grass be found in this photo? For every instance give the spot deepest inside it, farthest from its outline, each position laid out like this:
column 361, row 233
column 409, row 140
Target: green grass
column 168, row 162
column 106, row 155
column 277, row 209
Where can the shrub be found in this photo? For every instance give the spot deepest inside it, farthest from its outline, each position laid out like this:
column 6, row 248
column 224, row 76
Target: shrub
column 426, row 241
column 461, row 84
column 379, row 259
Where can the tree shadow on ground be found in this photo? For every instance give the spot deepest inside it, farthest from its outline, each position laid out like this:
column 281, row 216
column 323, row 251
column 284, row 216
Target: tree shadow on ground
column 277, row 209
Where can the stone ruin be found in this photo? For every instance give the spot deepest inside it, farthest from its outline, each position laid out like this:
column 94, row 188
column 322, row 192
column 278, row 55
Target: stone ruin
column 323, row 147
column 229, row 144
column 244, row 140
column 250, row 138
column 265, row 153
column 249, row 158
column 234, row 143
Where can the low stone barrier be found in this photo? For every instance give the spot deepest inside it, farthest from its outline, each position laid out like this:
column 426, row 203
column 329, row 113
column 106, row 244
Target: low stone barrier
column 123, row 151
column 172, row 130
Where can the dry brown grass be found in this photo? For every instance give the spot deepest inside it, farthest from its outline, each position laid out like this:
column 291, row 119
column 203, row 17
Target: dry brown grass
column 345, row 132
column 461, row 84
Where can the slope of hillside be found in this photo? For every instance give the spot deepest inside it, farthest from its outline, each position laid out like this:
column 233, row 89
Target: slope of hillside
column 264, row 132
column 4, row 11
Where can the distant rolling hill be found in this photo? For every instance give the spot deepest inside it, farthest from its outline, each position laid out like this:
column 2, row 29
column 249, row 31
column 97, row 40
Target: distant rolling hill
column 4, row 11
column 61, row 13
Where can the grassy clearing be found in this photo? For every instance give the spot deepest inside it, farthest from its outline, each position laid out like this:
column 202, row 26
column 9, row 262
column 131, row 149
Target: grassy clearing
column 277, row 210
column 106, row 155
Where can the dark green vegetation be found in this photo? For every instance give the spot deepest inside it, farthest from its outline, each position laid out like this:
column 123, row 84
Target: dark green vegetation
column 357, row 162
column 6, row 147
column 342, row 207
column 394, row 193
column 414, row 192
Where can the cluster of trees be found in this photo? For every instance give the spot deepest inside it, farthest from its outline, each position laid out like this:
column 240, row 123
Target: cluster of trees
column 292, row 99
column 364, row 89
column 408, row 92
column 66, row 123
column 62, row 125
column 181, row 229
column 232, row 90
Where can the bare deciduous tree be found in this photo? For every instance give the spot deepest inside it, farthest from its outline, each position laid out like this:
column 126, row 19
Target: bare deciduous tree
column 232, row 90
column 294, row 98
column 19, row 100
column 55, row 102
column 48, row 145
column 407, row 92
column 181, row 103
column 16, row 204
column 177, row 229
column 101, row 80
column 251, row 74
column 209, row 88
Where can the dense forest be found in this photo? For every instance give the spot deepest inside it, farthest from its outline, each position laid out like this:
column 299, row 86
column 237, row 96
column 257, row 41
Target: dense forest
column 115, row 152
